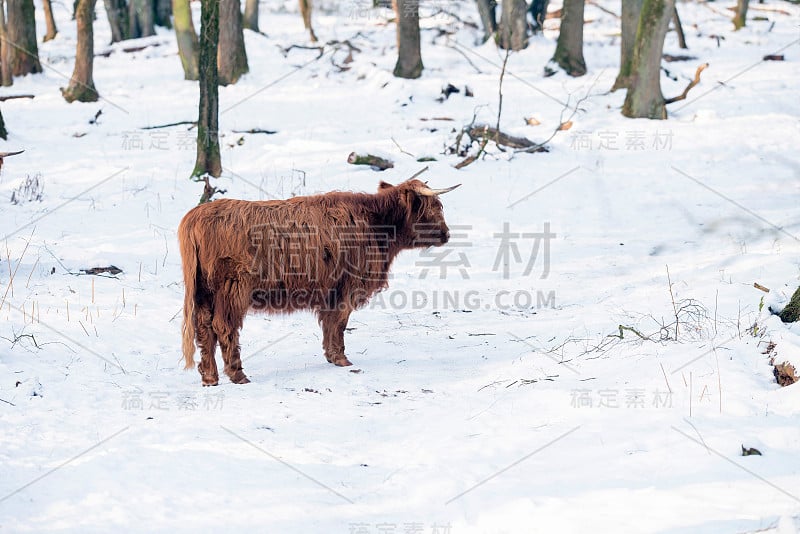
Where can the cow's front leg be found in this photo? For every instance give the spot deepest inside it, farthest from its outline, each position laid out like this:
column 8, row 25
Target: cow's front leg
column 333, row 326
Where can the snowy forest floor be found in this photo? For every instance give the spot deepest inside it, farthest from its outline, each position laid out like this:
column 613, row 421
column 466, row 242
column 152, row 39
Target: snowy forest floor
column 489, row 395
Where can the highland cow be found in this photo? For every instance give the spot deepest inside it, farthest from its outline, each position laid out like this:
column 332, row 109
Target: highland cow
column 326, row 253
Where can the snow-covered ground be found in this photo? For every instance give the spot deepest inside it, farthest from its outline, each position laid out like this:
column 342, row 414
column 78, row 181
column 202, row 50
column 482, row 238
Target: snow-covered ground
column 489, row 396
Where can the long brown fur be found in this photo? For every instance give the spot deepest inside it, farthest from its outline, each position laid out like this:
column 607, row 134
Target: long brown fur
column 326, row 253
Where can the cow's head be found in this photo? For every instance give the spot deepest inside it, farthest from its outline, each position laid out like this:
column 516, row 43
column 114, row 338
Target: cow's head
column 424, row 220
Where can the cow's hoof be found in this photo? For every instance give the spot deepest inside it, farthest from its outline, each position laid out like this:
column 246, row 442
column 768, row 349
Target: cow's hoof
column 239, row 378
column 342, row 362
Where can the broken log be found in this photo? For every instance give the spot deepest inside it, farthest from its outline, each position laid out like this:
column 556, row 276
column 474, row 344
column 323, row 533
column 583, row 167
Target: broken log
column 501, row 138
column 376, row 162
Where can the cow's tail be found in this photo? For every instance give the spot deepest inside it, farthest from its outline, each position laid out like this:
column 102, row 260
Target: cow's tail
column 188, row 248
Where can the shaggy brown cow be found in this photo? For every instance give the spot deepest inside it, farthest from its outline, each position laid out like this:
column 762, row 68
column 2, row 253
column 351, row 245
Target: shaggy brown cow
column 327, row 253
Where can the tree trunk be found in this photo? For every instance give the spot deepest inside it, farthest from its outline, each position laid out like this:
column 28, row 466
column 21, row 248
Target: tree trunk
column 81, row 85
column 21, row 33
column 208, row 159
column 50, row 22
column 409, row 56
column 305, row 10
column 6, row 79
column 676, row 22
column 740, row 18
column 512, row 34
column 251, row 15
column 538, row 11
column 188, row 45
column 163, row 12
column 3, row 131
column 486, row 9
column 141, row 18
column 631, row 9
column 117, row 13
column 231, row 56
column 569, row 49
column 644, row 98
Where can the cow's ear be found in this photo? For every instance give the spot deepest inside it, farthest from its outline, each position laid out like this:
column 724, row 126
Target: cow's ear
column 384, row 185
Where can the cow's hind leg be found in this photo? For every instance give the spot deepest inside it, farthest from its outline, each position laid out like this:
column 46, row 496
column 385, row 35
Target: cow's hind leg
column 333, row 324
column 229, row 314
column 207, row 341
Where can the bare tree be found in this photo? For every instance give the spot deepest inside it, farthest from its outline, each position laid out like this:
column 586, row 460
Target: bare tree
column 21, row 38
column 50, row 22
column 305, row 10
column 208, row 158
column 232, row 56
column 141, row 18
column 6, row 79
column 251, row 15
column 163, row 12
column 538, row 11
column 188, row 45
column 644, row 98
column 117, row 13
column 409, row 55
column 631, row 9
column 81, row 84
column 569, row 48
column 486, row 9
column 512, row 34
column 740, row 18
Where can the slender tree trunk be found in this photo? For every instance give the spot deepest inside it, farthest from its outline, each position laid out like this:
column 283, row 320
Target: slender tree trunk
column 208, row 158
column 81, row 85
column 188, row 46
column 740, row 19
column 631, row 9
column 49, row 21
column 141, row 18
column 305, row 10
column 3, row 131
column 117, row 13
column 569, row 49
column 512, row 34
column 676, row 22
column 6, row 79
column 251, row 15
column 538, row 11
column 486, row 9
column 21, row 33
column 409, row 56
column 232, row 56
column 163, row 12
column 644, row 98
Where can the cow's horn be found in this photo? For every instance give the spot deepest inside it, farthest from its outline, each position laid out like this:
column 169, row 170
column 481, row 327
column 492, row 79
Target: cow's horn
column 428, row 192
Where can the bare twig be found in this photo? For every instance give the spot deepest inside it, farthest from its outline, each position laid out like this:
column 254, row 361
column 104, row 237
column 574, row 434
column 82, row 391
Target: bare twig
column 694, row 82
column 674, row 307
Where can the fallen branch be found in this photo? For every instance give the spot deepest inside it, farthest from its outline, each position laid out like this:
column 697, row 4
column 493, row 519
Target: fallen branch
column 256, row 131
column 193, row 123
column 504, row 139
column 7, row 154
column 130, row 49
column 376, row 162
column 100, row 270
column 694, row 82
column 601, row 8
column 12, row 97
